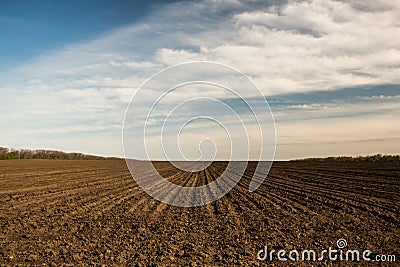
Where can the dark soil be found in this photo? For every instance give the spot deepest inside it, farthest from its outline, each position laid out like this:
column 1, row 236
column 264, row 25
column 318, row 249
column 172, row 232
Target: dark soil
column 92, row 213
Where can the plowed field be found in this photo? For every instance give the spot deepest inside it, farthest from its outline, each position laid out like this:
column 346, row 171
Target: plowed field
column 93, row 213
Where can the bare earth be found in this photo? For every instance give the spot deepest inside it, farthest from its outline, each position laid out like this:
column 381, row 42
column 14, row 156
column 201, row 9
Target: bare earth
column 92, row 213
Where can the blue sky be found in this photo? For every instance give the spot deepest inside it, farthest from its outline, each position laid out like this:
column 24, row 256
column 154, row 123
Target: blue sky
column 330, row 69
column 30, row 28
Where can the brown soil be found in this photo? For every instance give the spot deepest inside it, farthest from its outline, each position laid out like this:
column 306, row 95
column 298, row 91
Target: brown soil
column 93, row 213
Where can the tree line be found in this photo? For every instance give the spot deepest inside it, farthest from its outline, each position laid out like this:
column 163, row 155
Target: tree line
column 6, row 153
column 369, row 158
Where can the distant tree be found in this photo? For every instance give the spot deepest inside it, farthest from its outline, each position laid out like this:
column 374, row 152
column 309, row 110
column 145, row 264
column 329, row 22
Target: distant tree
column 26, row 154
column 371, row 158
column 3, row 152
column 6, row 153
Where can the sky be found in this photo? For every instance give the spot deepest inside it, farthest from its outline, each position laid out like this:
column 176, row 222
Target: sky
column 330, row 70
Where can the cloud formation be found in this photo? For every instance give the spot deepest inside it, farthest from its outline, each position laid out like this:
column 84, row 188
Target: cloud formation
column 285, row 47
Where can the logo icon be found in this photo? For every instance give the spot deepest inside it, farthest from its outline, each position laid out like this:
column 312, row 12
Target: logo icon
column 341, row 243
column 191, row 115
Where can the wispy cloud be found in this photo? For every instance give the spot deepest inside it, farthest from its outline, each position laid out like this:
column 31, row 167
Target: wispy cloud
column 286, row 47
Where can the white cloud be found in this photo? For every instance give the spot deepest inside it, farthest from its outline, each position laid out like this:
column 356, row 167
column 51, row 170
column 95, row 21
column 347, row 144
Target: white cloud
column 288, row 47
